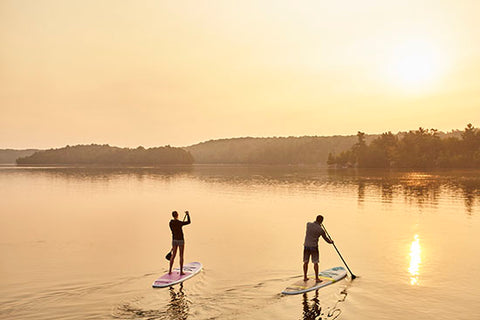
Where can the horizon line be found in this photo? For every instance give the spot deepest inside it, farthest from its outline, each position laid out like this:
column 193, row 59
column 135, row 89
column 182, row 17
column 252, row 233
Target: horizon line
column 221, row 139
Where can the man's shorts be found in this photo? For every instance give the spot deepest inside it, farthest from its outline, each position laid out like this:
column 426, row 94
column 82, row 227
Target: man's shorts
column 177, row 243
column 310, row 251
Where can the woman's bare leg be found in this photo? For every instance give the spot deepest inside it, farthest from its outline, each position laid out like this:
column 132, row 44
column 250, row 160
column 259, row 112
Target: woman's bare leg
column 172, row 258
column 182, row 247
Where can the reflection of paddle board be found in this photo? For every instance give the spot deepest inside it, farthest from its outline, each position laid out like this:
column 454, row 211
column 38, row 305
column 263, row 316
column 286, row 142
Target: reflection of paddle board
column 328, row 276
column 167, row 280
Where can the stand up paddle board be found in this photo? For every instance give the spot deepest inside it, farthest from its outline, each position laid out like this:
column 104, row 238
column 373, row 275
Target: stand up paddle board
column 328, row 277
column 168, row 280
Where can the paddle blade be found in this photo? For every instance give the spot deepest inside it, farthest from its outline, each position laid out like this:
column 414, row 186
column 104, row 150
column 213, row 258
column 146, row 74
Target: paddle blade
column 168, row 256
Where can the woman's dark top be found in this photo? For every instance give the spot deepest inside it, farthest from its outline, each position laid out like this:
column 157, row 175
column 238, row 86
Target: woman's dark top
column 176, row 227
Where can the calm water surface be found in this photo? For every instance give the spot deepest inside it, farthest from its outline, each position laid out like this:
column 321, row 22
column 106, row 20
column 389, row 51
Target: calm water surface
column 87, row 243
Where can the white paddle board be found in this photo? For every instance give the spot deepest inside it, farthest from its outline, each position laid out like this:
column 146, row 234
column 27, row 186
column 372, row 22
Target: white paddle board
column 328, row 277
column 168, row 280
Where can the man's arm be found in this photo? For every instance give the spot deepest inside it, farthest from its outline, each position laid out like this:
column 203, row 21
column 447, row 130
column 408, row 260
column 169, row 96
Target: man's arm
column 327, row 239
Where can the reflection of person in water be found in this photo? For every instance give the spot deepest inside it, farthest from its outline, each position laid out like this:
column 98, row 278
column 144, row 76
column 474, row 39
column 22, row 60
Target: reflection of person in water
column 178, row 306
column 313, row 311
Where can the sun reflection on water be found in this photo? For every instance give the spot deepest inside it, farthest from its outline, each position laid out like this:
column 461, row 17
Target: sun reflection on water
column 415, row 260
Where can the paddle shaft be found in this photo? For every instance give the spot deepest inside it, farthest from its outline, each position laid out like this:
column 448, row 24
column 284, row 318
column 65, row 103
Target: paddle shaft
column 326, row 232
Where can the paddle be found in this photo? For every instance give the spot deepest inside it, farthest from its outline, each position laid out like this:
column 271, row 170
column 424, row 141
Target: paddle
column 169, row 254
column 326, row 232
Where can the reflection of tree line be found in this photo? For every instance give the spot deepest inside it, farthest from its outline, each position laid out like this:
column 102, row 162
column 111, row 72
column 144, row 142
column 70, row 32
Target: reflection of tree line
column 422, row 192
column 422, row 187
column 109, row 173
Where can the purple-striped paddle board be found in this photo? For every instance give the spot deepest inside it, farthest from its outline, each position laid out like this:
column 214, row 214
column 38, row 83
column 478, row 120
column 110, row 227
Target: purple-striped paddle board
column 168, row 280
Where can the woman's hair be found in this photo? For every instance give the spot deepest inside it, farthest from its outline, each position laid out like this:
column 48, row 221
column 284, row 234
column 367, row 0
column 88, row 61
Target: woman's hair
column 174, row 214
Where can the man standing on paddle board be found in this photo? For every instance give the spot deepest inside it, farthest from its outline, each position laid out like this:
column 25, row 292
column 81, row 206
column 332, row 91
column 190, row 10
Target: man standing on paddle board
column 310, row 246
column 177, row 238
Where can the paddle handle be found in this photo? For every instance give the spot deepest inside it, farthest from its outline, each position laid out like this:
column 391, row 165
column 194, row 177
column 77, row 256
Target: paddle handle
column 346, row 265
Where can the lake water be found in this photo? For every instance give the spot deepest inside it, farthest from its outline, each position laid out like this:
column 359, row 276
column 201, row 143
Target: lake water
column 79, row 243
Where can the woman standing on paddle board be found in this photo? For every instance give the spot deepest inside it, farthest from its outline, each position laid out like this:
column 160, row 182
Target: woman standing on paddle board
column 177, row 238
column 310, row 246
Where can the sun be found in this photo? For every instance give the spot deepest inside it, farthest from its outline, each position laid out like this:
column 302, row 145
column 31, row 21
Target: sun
column 415, row 66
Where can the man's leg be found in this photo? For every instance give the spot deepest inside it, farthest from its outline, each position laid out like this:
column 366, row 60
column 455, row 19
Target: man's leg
column 315, row 266
column 306, row 257
column 316, row 260
column 182, row 247
column 172, row 258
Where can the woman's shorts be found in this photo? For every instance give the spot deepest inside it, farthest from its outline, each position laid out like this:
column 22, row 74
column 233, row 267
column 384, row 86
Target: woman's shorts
column 177, row 243
column 310, row 251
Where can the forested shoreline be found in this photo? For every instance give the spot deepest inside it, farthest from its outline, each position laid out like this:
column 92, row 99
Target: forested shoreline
column 422, row 148
column 106, row 155
column 418, row 149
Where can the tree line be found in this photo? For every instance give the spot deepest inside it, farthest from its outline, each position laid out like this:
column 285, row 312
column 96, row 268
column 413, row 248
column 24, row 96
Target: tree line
column 310, row 150
column 422, row 148
column 9, row 156
column 106, row 155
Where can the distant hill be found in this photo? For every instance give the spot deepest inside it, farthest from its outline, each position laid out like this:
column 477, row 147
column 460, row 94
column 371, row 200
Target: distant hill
column 106, row 155
column 247, row 150
column 278, row 150
column 8, row 156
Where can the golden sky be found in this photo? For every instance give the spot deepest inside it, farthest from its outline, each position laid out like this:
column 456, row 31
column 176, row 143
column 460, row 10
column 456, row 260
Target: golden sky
column 152, row 73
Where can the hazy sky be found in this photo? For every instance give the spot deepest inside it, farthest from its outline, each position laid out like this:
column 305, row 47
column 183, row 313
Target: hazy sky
column 152, row 73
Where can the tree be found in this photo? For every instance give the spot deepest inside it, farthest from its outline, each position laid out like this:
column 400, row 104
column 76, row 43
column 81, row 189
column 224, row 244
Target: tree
column 421, row 148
